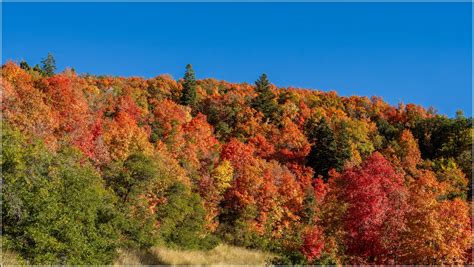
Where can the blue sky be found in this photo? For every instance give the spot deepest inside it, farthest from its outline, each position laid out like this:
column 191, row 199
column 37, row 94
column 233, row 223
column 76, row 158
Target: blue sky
column 410, row 52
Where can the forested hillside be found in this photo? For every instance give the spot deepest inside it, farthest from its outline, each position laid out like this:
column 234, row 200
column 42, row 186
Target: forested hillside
column 94, row 164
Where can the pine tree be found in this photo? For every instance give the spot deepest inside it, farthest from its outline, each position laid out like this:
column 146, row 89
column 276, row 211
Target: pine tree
column 24, row 65
column 265, row 101
column 322, row 155
column 38, row 69
column 189, row 97
column 48, row 65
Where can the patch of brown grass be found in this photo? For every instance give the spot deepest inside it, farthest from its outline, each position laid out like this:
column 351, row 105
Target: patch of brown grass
column 221, row 255
column 9, row 258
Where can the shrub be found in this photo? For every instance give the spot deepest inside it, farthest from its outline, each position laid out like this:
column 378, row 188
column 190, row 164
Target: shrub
column 56, row 209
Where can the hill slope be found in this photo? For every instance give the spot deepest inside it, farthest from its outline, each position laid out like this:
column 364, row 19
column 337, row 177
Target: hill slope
column 97, row 164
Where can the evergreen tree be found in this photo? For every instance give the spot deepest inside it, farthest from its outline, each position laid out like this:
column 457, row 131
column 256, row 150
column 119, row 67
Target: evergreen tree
column 38, row 69
column 189, row 97
column 265, row 101
column 48, row 65
column 24, row 65
column 328, row 151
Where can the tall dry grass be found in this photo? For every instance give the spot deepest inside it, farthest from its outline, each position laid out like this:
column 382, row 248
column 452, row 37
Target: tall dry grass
column 221, row 255
column 8, row 257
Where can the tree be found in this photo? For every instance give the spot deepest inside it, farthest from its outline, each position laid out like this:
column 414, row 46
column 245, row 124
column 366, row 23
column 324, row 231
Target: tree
column 24, row 65
column 438, row 231
column 201, row 149
column 291, row 144
column 69, row 104
column 23, row 105
column 313, row 244
column 265, row 101
column 327, row 153
column 37, row 68
column 48, row 65
column 123, row 137
column 182, row 219
column 374, row 220
column 189, row 96
column 137, row 172
column 55, row 207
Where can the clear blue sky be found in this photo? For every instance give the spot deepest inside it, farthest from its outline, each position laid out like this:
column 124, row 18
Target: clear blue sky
column 410, row 52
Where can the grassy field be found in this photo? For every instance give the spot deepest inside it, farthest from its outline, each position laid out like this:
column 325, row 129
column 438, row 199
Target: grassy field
column 221, row 255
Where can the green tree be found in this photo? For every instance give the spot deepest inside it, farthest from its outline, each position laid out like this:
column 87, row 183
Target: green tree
column 133, row 176
column 189, row 96
column 131, row 180
column 24, row 65
column 441, row 137
column 343, row 145
column 265, row 101
column 328, row 151
column 37, row 68
column 48, row 65
column 182, row 219
column 55, row 207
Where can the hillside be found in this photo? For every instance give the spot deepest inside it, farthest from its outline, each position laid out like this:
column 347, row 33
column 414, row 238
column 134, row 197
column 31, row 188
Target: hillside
column 94, row 165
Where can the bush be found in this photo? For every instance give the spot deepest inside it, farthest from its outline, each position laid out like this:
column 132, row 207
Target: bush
column 56, row 209
column 182, row 220
column 131, row 180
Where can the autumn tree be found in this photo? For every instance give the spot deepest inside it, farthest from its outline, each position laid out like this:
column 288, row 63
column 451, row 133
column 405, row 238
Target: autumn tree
column 448, row 173
column 69, row 105
column 290, row 142
column 375, row 216
column 23, row 105
column 437, row 231
column 201, row 148
column 313, row 244
column 189, row 96
column 123, row 137
column 404, row 153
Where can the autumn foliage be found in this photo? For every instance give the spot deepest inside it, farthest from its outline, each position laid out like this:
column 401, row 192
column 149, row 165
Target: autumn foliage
column 311, row 176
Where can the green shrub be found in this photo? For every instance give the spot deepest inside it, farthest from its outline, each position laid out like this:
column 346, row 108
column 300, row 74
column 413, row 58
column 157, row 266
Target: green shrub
column 131, row 180
column 56, row 209
column 182, row 220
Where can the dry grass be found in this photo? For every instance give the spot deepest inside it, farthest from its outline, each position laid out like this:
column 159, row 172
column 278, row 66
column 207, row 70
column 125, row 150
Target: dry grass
column 221, row 255
column 9, row 258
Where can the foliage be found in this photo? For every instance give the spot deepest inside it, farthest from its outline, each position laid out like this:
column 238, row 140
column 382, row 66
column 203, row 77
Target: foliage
column 55, row 207
column 139, row 183
column 92, row 164
column 376, row 198
column 182, row 220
